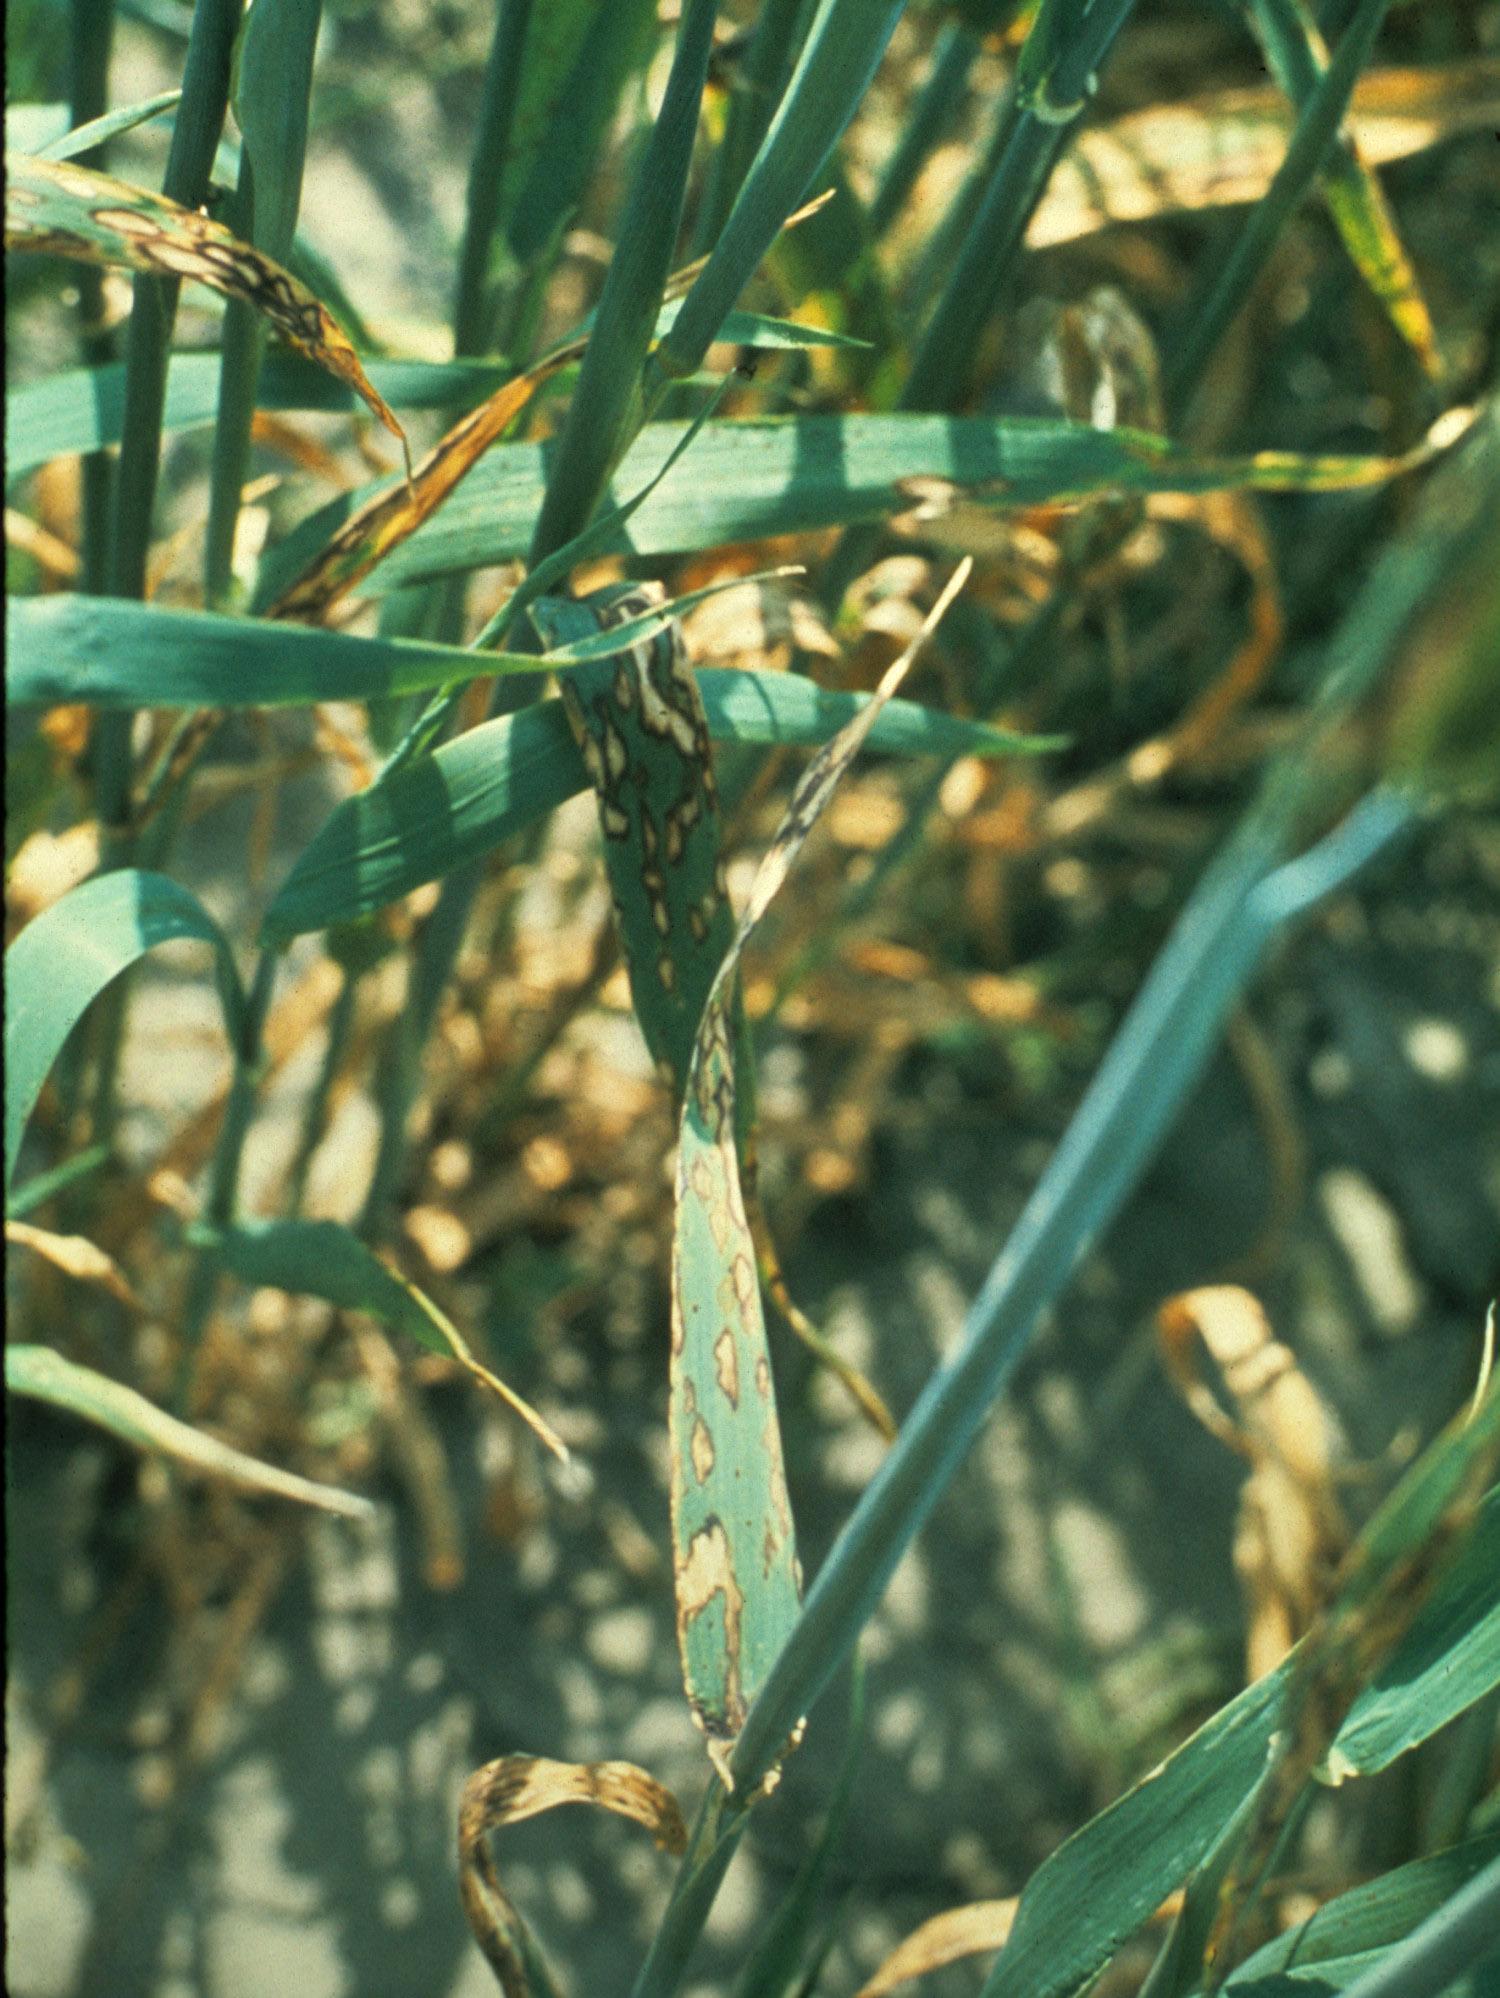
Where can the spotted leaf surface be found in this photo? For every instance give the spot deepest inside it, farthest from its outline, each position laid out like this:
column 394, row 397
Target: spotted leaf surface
column 68, row 211
column 638, row 720
column 734, row 1543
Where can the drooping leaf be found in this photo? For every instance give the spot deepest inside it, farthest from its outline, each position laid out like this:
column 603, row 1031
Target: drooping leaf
column 638, row 722
column 975, row 1929
column 46, row 1376
column 454, row 806
column 733, row 1540
column 68, row 211
column 324, row 1259
column 637, row 716
column 68, row 954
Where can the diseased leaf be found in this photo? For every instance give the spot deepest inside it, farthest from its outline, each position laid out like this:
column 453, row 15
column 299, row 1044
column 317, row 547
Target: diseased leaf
column 324, row 1259
column 522, row 1786
column 638, row 720
column 733, row 1540
column 46, row 1376
column 69, row 211
column 388, row 518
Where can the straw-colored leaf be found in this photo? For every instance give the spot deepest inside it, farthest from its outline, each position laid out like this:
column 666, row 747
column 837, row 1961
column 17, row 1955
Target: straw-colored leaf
column 1290, row 1528
column 76, row 1256
column 386, row 520
column 972, row 1930
column 46, row 1376
column 522, row 1786
column 1223, row 148
column 68, row 211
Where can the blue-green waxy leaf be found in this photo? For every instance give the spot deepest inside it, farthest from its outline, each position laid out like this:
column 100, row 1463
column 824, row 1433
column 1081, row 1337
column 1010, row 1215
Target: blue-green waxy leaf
column 734, row 1546
column 1107, row 1879
column 273, row 72
column 46, row 1376
column 441, row 811
column 82, row 409
column 1351, row 1933
column 111, row 652
column 67, row 955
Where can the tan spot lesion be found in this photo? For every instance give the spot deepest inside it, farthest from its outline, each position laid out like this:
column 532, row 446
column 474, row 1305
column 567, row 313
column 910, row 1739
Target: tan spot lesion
column 126, row 221
column 616, row 756
column 666, row 971
column 701, row 1449
column 727, row 1366
column 706, row 1570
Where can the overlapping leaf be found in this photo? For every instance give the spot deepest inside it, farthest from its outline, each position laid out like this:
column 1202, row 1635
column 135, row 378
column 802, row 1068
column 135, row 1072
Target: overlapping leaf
column 441, row 811
column 1105, row 1880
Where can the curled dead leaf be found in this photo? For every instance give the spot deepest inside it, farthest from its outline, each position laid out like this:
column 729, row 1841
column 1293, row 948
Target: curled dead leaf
column 522, row 1786
column 1291, row 1527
